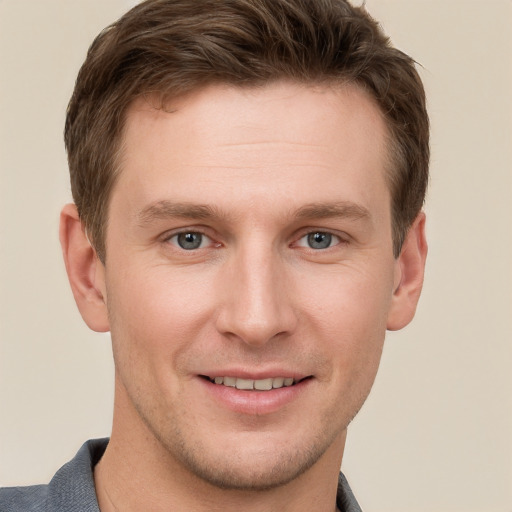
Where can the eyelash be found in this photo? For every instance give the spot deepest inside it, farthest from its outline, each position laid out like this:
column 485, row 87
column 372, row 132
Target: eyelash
column 175, row 236
column 307, row 236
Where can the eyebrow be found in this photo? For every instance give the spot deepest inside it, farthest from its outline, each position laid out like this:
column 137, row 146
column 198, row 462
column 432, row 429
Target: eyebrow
column 165, row 209
column 345, row 209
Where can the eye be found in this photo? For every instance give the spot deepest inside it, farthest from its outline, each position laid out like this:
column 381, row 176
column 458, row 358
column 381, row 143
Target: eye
column 319, row 240
column 190, row 240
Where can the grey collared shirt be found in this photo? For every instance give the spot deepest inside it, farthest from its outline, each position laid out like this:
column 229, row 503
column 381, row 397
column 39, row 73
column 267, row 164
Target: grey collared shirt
column 72, row 488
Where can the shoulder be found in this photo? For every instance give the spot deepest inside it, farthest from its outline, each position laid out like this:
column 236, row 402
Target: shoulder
column 345, row 499
column 71, row 489
column 23, row 499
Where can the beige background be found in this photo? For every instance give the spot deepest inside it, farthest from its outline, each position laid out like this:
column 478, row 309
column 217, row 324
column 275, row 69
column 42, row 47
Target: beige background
column 436, row 433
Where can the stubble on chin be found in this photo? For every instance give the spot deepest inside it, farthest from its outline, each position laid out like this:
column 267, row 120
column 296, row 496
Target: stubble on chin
column 251, row 471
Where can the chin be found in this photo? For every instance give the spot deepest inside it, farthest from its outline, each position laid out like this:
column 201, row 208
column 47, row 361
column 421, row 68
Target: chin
column 246, row 475
column 244, row 469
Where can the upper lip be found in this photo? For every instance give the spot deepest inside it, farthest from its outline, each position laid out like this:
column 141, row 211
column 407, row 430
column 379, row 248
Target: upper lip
column 255, row 375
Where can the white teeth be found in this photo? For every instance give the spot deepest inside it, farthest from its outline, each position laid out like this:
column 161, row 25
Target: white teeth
column 230, row 381
column 244, row 384
column 278, row 383
column 263, row 384
column 259, row 385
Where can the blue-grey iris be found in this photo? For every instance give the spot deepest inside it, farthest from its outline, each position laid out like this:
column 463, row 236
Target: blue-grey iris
column 319, row 240
column 189, row 241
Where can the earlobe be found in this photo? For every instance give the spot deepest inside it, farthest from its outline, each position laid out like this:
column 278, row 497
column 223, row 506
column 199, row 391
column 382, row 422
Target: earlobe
column 85, row 271
column 409, row 271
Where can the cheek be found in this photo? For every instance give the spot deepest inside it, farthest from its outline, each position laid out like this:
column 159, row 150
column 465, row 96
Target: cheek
column 354, row 340
column 348, row 297
column 149, row 297
column 154, row 315
column 348, row 309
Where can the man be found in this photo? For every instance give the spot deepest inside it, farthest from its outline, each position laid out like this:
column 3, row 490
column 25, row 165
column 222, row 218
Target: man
column 248, row 178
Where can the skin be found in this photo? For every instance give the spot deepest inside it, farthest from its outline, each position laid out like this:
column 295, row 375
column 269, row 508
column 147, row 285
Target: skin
column 268, row 167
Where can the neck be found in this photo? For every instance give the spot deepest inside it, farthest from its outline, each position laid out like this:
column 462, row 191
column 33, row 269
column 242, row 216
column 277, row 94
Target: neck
column 137, row 473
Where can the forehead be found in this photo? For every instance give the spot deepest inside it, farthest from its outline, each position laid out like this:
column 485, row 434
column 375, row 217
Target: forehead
column 223, row 139
column 249, row 109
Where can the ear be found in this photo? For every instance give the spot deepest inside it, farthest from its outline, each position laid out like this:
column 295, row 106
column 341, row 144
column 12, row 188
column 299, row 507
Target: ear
column 409, row 271
column 85, row 271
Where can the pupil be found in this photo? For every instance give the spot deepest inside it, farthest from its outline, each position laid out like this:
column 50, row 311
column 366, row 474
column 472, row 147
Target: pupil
column 189, row 241
column 319, row 240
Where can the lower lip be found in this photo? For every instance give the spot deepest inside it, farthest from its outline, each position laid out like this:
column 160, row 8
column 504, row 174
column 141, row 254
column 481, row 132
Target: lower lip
column 254, row 402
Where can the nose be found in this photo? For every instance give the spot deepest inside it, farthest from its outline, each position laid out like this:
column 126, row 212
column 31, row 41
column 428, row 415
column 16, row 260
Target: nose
column 256, row 305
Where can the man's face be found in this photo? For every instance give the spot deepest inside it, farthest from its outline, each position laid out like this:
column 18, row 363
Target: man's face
column 249, row 244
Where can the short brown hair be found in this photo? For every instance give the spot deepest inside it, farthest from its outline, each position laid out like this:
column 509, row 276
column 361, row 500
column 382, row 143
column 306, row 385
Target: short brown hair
column 170, row 47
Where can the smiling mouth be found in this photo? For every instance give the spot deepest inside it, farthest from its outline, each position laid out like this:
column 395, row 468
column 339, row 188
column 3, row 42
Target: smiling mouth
column 254, row 385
